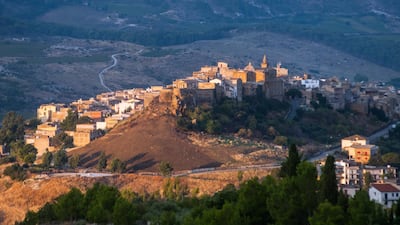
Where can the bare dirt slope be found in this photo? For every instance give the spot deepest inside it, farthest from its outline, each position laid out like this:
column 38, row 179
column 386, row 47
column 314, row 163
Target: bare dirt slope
column 148, row 139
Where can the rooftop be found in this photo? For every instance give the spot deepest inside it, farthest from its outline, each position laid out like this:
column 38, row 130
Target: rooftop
column 385, row 187
column 355, row 138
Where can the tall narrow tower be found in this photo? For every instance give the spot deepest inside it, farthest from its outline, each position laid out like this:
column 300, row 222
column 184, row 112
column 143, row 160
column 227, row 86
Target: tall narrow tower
column 264, row 64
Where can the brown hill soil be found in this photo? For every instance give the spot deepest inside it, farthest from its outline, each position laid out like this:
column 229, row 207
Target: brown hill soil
column 19, row 197
column 150, row 137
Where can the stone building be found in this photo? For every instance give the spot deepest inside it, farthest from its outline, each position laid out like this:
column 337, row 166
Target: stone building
column 45, row 112
column 48, row 129
column 84, row 134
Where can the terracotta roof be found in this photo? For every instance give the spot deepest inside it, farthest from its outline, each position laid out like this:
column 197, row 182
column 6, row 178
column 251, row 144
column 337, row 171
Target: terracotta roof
column 355, row 138
column 385, row 187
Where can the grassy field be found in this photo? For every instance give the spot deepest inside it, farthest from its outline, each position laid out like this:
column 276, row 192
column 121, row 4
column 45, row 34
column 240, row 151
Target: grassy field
column 21, row 49
column 160, row 52
column 66, row 59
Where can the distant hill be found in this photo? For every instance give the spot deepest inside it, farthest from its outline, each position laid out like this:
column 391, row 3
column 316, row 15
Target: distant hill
column 368, row 29
column 200, row 10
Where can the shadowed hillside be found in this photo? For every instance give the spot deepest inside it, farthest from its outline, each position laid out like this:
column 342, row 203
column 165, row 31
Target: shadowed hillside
column 145, row 141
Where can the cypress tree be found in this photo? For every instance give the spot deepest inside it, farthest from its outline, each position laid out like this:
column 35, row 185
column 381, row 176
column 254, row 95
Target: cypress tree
column 289, row 166
column 329, row 190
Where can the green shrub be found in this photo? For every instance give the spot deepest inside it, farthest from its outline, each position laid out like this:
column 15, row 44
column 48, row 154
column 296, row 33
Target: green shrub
column 16, row 172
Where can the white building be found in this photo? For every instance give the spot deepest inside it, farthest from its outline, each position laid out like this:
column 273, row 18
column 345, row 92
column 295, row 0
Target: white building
column 348, row 173
column 101, row 125
column 384, row 194
column 310, row 83
column 126, row 106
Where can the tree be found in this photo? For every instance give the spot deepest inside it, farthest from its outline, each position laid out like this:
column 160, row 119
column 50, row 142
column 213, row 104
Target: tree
column 361, row 209
column 379, row 114
column 70, row 206
column 74, row 161
column 284, row 205
column 368, row 179
column 213, row 126
column 23, row 153
column 251, row 122
column 329, row 190
column 294, row 93
column 102, row 162
column 391, row 157
column 117, row 166
column 397, row 213
column 100, row 201
column 240, row 176
column 29, row 153
column 12, row 128
column 165, row 169
column 124, row 212
column 289, row 166
column 63, row 140
column 60, row 158
column 83, row 120
column 16, row 172
column 69, row 123
column 33, row 123
column 252, row 204
column 280, row 140
column 47, row 158
column 306, row 182
column 328, row 214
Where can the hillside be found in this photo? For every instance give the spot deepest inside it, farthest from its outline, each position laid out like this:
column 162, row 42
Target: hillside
column 34, row 72
column 150, row 137
column 324, row 38
column 19, row 197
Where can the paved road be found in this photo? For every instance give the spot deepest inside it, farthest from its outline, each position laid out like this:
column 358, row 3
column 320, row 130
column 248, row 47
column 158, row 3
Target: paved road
column 218, row 170
column 294, row 105
column 115, row 62
column 373, row 137
column 381, row 132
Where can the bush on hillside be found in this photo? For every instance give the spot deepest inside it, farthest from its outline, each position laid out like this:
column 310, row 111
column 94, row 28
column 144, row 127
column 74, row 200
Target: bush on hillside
column 16, row 172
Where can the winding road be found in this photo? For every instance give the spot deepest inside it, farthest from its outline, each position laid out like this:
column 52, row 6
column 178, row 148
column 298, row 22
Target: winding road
column 115, row 62
column 373, row 137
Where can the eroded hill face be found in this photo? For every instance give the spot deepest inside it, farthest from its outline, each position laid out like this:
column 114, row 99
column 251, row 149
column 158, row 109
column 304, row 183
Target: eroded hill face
column 147, row 139
column 151, row 137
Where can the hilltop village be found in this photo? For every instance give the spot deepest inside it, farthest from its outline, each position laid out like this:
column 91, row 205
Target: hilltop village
column 207, row 86
column 212, row 83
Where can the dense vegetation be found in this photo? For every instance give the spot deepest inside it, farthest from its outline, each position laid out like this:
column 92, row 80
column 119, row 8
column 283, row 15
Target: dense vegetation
column 257, row 117
column 295, row 198
column 389, row 149
column 251, row 117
